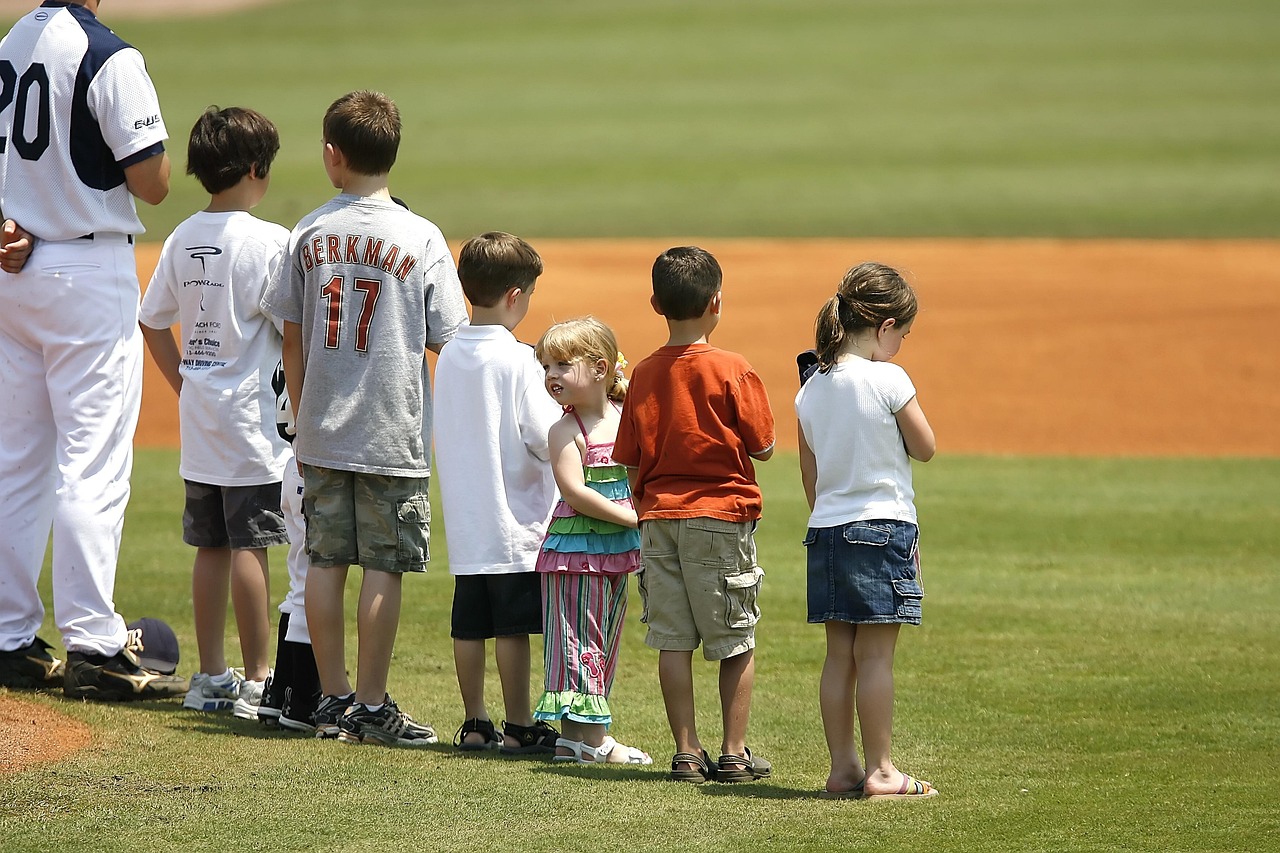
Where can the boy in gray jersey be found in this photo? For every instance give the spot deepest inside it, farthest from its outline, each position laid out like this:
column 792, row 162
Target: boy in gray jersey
column 367, row 288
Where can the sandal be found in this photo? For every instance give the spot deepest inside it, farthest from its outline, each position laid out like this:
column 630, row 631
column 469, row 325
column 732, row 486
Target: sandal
column 703, row 770
column 857, row 792
column 632, row 755
column 475, row 725
column 738, row 768
column 585, row 753
column 912, row 789
column 537, row 738
column 578, row 750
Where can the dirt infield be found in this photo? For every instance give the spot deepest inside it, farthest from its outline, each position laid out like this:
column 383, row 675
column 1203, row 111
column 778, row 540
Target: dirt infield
column 1148, row 348
column 1022, row 346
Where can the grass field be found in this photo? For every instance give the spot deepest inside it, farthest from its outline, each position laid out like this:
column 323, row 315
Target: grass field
column 1097, row 670
column 748, row 118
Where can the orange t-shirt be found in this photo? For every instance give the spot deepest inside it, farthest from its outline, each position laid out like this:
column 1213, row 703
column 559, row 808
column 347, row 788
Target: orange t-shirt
column 692, row 417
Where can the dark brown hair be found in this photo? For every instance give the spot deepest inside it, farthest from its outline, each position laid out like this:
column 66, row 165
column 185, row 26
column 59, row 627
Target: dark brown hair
column 227, row 144
column 685, row 279
column 494, row 262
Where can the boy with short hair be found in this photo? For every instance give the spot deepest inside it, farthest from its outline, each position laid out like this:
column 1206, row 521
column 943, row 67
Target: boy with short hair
column 694, row 418
column 366, row 289
column 210, row 278
column 497, row 488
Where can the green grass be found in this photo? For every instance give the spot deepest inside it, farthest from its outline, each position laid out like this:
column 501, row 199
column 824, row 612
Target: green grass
column 809, row 118
column 1097, row 670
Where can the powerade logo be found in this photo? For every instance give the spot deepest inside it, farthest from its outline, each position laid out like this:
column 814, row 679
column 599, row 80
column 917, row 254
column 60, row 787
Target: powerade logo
column 199, row 253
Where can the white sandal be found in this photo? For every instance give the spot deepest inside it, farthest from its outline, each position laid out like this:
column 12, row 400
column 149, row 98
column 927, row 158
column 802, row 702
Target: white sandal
column 634, row 756
column 577, row 748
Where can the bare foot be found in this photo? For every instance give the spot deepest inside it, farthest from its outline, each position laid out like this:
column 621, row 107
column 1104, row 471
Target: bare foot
column 895, row 784
column 845, row 780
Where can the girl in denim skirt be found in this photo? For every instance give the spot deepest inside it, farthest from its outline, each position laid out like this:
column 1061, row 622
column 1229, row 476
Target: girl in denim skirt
column 860, row 424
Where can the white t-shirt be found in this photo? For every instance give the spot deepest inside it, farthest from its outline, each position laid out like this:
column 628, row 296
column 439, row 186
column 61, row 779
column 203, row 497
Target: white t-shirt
column 210, row 278
column 493, row 414
column 89, row 110
column 847, row 416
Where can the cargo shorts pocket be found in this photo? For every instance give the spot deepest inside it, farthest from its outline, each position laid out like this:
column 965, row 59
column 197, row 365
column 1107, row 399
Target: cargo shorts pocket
column 741, row 597
column 863, row 533
column 909, row 594
column 413, row 529
column 643, row 586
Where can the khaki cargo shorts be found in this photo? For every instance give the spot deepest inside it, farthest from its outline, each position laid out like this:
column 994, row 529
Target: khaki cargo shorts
column 699, row 583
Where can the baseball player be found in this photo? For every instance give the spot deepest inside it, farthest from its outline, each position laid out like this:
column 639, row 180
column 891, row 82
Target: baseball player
column 80, row 136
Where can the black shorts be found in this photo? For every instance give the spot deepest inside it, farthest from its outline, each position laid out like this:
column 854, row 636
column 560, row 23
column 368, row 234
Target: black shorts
column 239, row 517
column 487, row 606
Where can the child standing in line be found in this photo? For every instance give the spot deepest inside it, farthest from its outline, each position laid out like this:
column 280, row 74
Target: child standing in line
column 210, row 277
column 367, row 288
column 694, row 419
column 592, row 543
column 294, row 687
column 859, row 423
column 496, row 487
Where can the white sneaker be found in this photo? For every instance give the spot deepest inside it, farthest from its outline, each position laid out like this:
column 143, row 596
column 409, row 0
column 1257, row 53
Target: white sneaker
column 251, row 692
column 208, row 694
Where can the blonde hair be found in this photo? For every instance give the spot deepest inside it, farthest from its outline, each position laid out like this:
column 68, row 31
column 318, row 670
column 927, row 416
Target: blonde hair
column 869, row 294
column 585, row 339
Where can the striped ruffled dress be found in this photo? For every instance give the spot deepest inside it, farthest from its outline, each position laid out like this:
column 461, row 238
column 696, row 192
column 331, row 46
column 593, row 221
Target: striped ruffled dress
column 584, row 563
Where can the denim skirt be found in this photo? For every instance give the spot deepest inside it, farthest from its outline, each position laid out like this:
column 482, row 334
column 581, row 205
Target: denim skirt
column 864, row 572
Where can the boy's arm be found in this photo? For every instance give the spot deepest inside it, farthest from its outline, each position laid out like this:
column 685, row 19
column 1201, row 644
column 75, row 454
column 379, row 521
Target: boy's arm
column 164, row 351
column 291, row 357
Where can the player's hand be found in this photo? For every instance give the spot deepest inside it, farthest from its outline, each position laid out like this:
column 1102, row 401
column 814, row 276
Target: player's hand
column 15, row 246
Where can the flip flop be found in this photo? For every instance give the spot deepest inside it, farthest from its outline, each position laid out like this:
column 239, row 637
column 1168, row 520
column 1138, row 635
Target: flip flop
column 857, row 792
column 912, row 789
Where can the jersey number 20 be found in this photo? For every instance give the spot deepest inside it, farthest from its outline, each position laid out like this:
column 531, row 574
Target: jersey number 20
column 34, row 80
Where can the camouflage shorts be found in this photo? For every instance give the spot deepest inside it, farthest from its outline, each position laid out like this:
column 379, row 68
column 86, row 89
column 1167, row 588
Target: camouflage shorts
column 372, row 520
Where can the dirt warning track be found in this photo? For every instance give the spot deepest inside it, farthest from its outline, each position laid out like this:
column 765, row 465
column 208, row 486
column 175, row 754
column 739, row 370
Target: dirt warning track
column 1115, row 348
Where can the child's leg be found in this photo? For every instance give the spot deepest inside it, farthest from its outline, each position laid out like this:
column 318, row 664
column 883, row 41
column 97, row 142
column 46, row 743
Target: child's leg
column 737, row 678
column 512, row 654
column 377, row 619
column 325, row 590
column 469, row 663
column 209, row 586
column 250, row 593
column 836, row 700
column 675, row 674
column 873, row 649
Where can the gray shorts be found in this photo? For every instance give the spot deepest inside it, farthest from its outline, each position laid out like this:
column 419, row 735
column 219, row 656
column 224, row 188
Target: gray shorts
column 699, row 583
column 371, row 520
column 239, row 517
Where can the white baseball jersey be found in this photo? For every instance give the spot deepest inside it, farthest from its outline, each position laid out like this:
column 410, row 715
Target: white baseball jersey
column 76, row 108
column 210, row 278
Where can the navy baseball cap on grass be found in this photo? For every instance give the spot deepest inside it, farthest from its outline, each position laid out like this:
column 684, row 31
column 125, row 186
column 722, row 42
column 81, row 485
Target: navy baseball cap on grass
column 159, row 650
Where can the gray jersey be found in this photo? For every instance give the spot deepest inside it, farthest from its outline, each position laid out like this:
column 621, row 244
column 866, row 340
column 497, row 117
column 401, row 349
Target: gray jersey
column 371, row 285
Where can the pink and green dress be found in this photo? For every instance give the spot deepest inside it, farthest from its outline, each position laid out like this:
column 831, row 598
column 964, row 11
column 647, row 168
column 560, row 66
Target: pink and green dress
column 584, row 563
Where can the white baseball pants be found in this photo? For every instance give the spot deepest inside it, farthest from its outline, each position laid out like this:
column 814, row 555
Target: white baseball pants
column 70, row 390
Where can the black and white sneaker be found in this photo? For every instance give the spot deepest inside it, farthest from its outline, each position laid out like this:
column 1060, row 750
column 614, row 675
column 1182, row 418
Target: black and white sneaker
column 388, row 725
column 117, row 678
column 324, row 720
column 272, row 702
column 31, row 667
